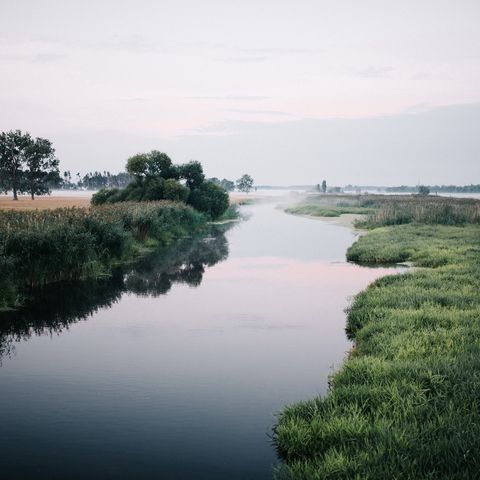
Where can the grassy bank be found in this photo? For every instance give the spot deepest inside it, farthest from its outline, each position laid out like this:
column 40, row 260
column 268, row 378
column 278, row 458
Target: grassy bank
column 327, row 210
column 385, row 210
column 41, row 247
column 406, row 404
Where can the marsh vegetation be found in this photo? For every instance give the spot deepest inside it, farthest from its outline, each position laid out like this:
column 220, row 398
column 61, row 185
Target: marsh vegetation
column 406, row 402
column 41, row 247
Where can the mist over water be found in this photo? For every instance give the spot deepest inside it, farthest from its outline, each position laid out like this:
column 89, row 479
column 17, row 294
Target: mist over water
column 176, row 366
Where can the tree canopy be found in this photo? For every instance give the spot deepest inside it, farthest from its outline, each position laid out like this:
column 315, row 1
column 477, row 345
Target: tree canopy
column 245, row 183
column 155, row 177
column 27, row 164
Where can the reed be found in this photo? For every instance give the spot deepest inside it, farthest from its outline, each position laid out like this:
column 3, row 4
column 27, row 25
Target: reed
column 406, row 404
column 40, row 247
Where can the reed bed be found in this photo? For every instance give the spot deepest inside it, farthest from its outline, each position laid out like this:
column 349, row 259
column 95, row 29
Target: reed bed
column 406, row 404
column 423, row 210
column 40, row 247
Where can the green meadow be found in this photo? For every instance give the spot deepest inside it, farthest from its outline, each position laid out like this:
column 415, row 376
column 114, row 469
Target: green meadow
column 406, row 403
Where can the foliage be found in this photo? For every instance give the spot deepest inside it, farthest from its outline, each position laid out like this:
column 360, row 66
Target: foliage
column 156, row 178
column 209, row 198
column 95, row 180
column 27, row 164
column 438, row 188
column 428, row 210
column 383, row 210
column 228, row 185
column 324, row 186
column 40, row 247
column 406, row 402
column 245, row 183
column 42, row 167
column 173, row 190
column 192, row 172
column 327, row 211
column 12, row 159
column 423, row 190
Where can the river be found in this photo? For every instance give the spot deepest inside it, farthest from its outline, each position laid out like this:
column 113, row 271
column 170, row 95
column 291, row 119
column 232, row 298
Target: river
column 175, row 367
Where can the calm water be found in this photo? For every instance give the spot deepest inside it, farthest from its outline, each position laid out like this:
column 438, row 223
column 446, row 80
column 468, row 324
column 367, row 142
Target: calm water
column 174, row 368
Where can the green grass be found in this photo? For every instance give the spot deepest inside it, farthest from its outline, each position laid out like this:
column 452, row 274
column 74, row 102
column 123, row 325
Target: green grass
column 406, row 404
column 327, row 211
column 41, row 247
column 384, row 210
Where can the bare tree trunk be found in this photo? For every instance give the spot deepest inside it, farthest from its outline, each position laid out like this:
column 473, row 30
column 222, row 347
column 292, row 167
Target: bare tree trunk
column 15, row 196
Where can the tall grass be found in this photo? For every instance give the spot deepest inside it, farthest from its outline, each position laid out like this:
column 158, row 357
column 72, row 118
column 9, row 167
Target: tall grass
column 406, row 404
column 40, row 247
column 383, row 210
column 427, row 210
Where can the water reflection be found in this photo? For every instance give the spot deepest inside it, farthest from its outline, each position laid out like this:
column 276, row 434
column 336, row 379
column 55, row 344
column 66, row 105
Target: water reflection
column 52, row 309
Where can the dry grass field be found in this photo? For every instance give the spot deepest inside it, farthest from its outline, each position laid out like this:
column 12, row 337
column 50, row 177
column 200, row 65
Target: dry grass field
column 42, row 203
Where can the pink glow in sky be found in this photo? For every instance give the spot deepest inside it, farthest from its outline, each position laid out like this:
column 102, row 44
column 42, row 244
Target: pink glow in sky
column 160, row 74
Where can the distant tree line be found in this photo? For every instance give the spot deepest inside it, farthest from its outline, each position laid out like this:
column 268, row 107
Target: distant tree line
column 95, row 180
column 228, row 185
column 438, row 188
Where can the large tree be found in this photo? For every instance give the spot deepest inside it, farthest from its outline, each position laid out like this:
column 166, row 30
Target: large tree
column 13, row 145
column 245, row 183
column 41, row 167
column 27, row 164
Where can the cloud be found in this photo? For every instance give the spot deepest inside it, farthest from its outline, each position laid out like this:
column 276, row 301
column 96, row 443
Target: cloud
column 256, row 112
column 372, row 72
column 242, row 98
column 243, row 59
column 281, row 51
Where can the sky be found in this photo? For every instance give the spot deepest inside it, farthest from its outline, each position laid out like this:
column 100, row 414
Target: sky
column 377, row 92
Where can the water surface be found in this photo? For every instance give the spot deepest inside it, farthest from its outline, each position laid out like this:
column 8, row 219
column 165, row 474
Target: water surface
column 175, row 367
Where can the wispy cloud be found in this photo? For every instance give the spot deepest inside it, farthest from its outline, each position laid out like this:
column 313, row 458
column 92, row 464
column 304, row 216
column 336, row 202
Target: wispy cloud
column 242, row 98
column 256, row 112
column 281, row 51
column 32, row 57
column 243, row 59
column 372, row 71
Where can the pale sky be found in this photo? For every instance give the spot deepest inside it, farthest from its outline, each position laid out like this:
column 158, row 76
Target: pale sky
column 365, row 92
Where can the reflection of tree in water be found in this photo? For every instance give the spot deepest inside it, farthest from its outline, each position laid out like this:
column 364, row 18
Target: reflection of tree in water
column 51, row 309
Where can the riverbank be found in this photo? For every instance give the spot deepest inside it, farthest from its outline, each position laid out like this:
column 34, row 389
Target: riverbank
column 406, row 402
column 39, row 247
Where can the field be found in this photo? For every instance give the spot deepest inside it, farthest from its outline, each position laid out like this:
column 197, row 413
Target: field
column 406, row 404
column 43, row 202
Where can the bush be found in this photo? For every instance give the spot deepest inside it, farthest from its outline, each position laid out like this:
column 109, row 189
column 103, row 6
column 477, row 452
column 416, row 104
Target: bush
column 156, row 178
column 210, row 199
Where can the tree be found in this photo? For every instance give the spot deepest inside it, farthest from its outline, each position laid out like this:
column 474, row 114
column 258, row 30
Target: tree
column 12, row 159
column 192, row 172
column 228, row 185
column 160, row 165
column 137, row 166
column 42, row 167
column 209, row 198
column 245, row 183
column 324, row 186
column 174, row 190
column 423, row 190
